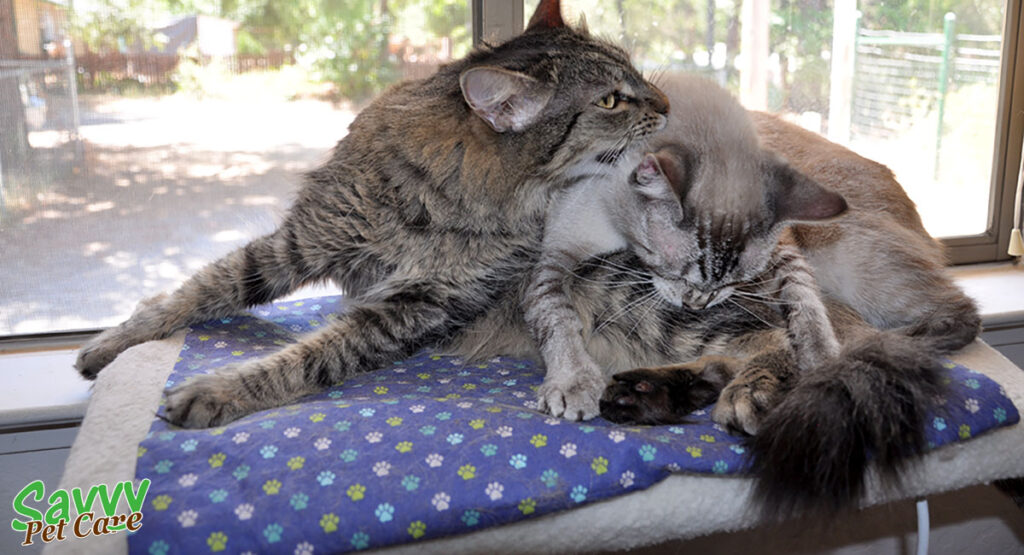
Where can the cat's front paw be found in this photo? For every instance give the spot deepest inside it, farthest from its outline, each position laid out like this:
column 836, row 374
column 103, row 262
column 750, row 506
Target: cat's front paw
column 99, row 352
column 573, row 399
column 745, row 402
column 207, row 400
column 662, row 395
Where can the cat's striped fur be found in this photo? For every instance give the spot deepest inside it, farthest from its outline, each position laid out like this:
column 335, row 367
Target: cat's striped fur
column 426, row 214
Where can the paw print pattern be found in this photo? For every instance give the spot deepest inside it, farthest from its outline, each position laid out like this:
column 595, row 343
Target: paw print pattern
column 647, row 452
column 616, row 436
column 299, row 501
column 292, row 432
column 454, row 439
column 578, row 494
column 434, row 460
column 471, row 517
column 599, row 465
column 517, row 461
column 489, row 449
column 381, row 468
column 304, row 548
column 440, row 501
column 539, row 440
column 187, row 519
column 374, row 437
column 410, row 482
column 384, row 512
column 356, row 492
column 244, row 511
column 467, row 471
column 417, row 529
column 504, row 431
column 568, row 450
column 527, row 506
column 188, row 480
column 271, row 487
column 295, row 463
column 494, row 491
column 217, row 541
column 549, row 478
column 268, row 451
column 329, row 522
column 322, row 444
column 972, row 405
column 240, row 437
column 273, row 532
column 626, row 479
column 325, row 478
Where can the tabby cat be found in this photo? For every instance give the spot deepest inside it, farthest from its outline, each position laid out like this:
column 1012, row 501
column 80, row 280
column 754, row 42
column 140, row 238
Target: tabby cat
column 426, row 213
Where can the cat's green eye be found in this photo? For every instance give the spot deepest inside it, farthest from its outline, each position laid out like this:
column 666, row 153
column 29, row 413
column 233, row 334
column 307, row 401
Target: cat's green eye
column 608, row 102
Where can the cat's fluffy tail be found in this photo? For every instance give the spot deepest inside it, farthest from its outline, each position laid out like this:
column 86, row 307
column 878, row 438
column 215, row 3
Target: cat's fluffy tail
column 812, row 450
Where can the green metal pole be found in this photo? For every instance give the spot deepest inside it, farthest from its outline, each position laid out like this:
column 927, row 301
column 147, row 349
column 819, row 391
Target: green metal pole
column 948, row 27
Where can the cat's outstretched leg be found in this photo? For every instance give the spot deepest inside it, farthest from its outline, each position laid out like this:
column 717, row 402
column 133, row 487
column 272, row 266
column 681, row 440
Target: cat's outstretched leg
column 392, row 326
column 254, row 274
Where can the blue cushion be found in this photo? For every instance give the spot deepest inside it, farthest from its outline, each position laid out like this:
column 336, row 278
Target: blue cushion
column 427, row 447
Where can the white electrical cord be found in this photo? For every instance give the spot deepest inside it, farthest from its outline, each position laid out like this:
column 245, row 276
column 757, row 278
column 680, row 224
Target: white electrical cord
column 1016, row 247
column 922, row 527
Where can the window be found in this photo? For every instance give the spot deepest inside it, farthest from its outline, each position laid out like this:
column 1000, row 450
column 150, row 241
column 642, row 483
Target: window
column 923, row 87
column 141, row 140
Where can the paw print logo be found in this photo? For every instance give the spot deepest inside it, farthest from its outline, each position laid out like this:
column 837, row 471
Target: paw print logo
column 217, row 541
column 355, row 492
column 329, row 522
column 694, row 452
column 268, row 451
column 142, row 451
column 272, row 487
column 384, row 512
column 380, row 390
column 416, row 409
column 739, row 450
column 707, row 438
column 568, row 450
column 292, row 432
column 504, row 431
column 517, row 461
column 322, row 444
column 647, row 452
column 965, row 431
column 159, row 547
column 187, row 519
column 241, row 472
column 240, row 437
column 296, row 463
column 423, row 376
column 317, row 417
column 939, row 423
column 586, row 428
column 549, row 478
column 374, row 437
column 443, row 415
column 411, row 483
column 360, row 540
column 367, row 412
column 489, row 449
column 532, row 405
column 204, row 337
column 304, row 548
column 381, row 468
column 494, row 490
column 678, row 430
column 299, row 501
column 267, row 424
column 342, row 426
column 220, row 344
column 626, row 479
column 616, row 436
column 527, row 506
column 166, row 436
column 476, row 423
column 218, row 495
column 163, row 467
column 216, row 460
column 394, row 421
column 189, row 445
column 403, row 446
column 325, row 478
column 440, row 501
column 162, row 502
column 720, row 467
column 416, row 529
column 428, row 430
column 348, row 455
column 578, row 494
column 467, row 471
column 672, row 467
column 471, row 517
column 464, row 405
column 188, row 480
column 972, row 383
column 454, row 439
column 539, row 440
column 434, row 460
column 273, row 532
column 999, row 414
column 469, row 386
column 237, row 353
column 599, row 465
column 244, row 511
column 972, row 405
column 552, row 421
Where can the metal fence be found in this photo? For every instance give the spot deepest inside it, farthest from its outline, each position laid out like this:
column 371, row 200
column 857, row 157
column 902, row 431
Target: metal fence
column 901, row 77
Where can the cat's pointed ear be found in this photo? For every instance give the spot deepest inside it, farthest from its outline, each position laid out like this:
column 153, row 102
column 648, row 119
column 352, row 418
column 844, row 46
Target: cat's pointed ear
column 506, row 100
column 649, row 179
column 799, row 198
column 581, row 25
column 548, row 15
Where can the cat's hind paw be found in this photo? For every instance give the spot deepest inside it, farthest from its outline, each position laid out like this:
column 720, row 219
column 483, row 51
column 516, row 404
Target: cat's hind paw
column 663, row 395
column 745, row 402
column 573, row 400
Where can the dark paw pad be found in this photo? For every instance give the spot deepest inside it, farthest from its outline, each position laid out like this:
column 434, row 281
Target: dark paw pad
column 646, row 396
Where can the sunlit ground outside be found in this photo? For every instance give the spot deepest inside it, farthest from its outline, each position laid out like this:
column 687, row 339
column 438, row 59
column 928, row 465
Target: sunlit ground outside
column 164, row 185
